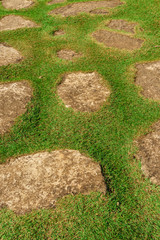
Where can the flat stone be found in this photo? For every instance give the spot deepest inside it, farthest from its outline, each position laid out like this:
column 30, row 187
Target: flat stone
column 148, row 77
column 123, row 25
column 59, row 32
column 9, row 55
column 81, row 7
column 149, row 154
column 115, row 40
column 99, row 11
column 68, row 54
column 17, row 4
column 83, row 92
column 39, row 180
column 12, row 22
column 14, row 98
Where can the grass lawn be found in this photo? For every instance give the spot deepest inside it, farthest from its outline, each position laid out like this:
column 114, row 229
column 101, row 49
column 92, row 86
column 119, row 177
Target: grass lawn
column 131, row 207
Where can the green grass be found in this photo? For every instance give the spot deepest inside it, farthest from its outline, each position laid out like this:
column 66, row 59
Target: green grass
column 131, row 207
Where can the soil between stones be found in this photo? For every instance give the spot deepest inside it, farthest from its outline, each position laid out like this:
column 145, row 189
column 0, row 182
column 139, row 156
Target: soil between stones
column 111, row 39
column 38, row 180
column 121, row 24
column 16, row 4
column 9, row 55
column 83, row 91
column 76, row 8
column 68, row 54
column 13, row 22
column 149, row 154
column 13, row 100
column 148, row 77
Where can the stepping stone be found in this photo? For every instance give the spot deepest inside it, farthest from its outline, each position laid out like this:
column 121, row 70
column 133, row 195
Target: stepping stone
column 39, row 180
column 14, row 98
column 115, row 40
column 13, row 22
column 149, row 154
column 148, row 77
column 17, row 4
column 68, row 54
column 83, row 92
column 81, row 7
column 99, row 11
column 123, row 25
column 9, row 55
column 59, row 32
column 55, row 1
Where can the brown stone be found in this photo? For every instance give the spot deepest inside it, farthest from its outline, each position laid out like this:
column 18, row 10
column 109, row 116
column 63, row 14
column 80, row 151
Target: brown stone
column 17, row 4
column 116, row 40
column 13, row 101
column 83, row 92
column 123, row 25
column 9, row 55
column 39, row 180
column 148, row 77
column 149, row 154
column 59, row 32
column 13, row 22
column 99, row 11
column 68, row 54
column 76, row 8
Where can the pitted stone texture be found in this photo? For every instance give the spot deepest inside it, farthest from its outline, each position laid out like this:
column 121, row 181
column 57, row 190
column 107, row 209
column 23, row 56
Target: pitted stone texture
column 68, row 54
column 13, row 100
column 16, row 4
column 13, row 22
column 56, row 1
column 9, row 55
column 39, row 180
column 148, row 77
column 149, row 154
column 115, row 40
column 99, row 11
column 83, row 91
column 121, row 24
column 76, row 8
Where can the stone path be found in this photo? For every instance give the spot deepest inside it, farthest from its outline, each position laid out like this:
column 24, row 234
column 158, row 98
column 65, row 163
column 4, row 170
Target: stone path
column 123, row 25
column 17, row 4
column 116, row 40
column 83, row 92
column 148, row 77
column 149, row 154
column 12, row 22
column 14, row 98
column 87, row 7
column 39, row 180
column 9, row 55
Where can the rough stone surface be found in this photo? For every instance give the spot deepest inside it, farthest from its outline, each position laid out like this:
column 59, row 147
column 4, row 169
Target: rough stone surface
column 59, row 32
column 39, row 180
column 149, row 154
column 13, row 22
column 83, row 91
column 111, row 39
column 121, row 24
column 99, row 11
column 68, row 54
column 56, row 1
column 148, row 77
column 9, row 55
column 16, row 4
column 13, row 100
column 76, row 8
